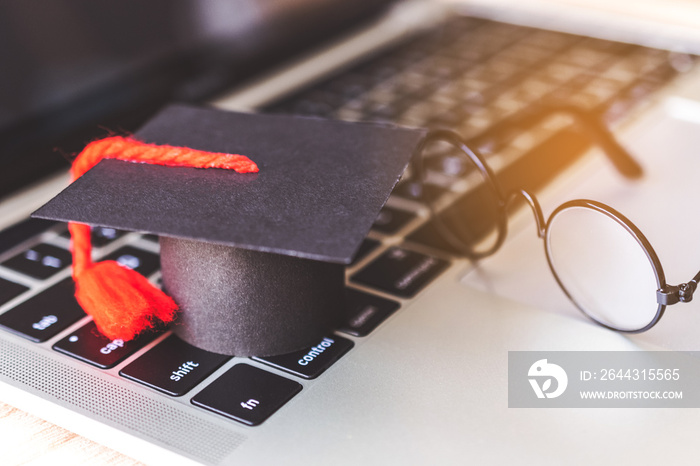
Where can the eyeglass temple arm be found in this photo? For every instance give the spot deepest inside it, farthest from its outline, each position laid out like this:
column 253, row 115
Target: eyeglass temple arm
column 534, row 204
column 618, row 155
column 672, row 294
column 456, row 140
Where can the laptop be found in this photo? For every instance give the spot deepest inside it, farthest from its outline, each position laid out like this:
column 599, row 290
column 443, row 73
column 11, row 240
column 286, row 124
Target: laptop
column 421, row 375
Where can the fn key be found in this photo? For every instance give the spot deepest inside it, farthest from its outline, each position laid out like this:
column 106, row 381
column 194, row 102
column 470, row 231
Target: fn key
column 247, row 394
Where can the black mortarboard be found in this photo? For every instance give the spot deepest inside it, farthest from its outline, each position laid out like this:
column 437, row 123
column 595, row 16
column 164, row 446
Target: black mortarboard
column 255, row 261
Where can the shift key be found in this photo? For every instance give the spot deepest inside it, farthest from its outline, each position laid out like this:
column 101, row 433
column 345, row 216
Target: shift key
column 173, row 366
column 45, row 315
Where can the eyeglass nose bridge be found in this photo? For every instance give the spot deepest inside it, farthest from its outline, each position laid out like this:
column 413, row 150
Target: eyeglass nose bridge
column 531, row 200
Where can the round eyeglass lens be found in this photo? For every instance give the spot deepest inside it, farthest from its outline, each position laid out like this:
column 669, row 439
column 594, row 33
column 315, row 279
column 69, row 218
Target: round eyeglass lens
column 470, row 222
column 603, row 268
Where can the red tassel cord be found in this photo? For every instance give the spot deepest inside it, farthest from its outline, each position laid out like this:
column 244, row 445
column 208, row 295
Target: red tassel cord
column 122, row 302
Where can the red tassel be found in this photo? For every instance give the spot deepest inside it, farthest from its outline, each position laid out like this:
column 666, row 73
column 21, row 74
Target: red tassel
column 122, row 302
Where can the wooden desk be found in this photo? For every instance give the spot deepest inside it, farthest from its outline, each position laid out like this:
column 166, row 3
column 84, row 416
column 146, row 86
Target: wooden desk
column 26, row 439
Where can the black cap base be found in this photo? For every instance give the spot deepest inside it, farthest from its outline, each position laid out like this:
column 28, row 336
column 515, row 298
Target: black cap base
column 247, row 303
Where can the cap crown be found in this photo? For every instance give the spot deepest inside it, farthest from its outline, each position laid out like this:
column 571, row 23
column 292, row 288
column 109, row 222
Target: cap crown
column 320, row 186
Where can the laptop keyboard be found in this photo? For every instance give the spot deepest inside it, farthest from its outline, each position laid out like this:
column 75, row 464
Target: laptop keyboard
column 473, row 76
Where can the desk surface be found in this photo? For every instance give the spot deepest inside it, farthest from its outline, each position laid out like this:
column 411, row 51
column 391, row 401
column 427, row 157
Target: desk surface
column 35, row 441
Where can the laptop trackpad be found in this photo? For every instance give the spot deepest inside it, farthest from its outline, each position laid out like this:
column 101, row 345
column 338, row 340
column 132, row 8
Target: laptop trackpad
column 663, row 204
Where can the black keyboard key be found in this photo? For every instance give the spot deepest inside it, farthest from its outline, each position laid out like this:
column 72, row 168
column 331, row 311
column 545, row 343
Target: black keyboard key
column 311, row 362
column 20, row 232
column 430, row 234
column 173, row 366
column 472, row 218
column 449, row 164
column 417, row 191
column 89, row 345
column 46, row 314
column 401, row 272
column 364, row 312
column 150, row 237
column 10, row 290
column 391, row 220
column 247, row 394
column 41, row 261
column 143, row 262
column 368, row 245
column 447, row 119
column 101, row 236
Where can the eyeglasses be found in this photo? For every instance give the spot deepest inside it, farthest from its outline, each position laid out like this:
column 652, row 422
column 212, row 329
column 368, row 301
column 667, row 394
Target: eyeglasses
column 601, row 260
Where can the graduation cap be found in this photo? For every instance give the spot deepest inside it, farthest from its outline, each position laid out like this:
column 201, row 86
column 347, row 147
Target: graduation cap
column 254, row 260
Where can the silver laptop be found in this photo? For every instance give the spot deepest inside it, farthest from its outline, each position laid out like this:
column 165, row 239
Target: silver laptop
column 418, row 373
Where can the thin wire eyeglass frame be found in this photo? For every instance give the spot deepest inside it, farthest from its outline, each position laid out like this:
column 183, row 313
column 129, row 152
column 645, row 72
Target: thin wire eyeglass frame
column 665, row 294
